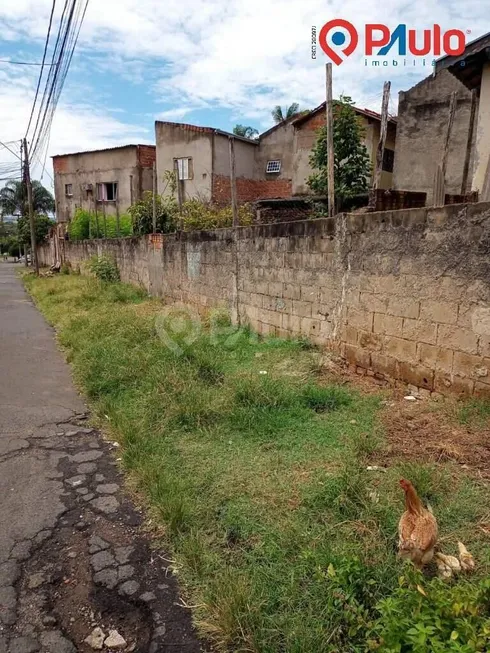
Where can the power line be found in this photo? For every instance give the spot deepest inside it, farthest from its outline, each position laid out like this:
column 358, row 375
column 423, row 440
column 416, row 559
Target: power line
column 25, row 63
column 42, row 65
column 8, row 148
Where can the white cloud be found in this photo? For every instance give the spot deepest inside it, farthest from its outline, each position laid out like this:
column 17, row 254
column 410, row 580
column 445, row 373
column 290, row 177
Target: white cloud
column 243, row 56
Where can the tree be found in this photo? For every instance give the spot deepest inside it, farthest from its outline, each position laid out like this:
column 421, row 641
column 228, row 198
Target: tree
column 352, row 166
column 279, row 117
column 246, row 132
column 42, row 226
column 13, row 199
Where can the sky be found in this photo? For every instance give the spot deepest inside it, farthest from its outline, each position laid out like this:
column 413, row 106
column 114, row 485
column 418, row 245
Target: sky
column 206, row 62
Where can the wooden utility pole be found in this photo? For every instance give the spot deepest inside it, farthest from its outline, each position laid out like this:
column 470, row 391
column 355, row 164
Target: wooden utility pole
column 234, row 204
column 27, row 176
column 330, row 150
column 445, row 152
column 469, row 143
column 381, row 144
column 154, row 198
column 179, row 192
column 439, row 188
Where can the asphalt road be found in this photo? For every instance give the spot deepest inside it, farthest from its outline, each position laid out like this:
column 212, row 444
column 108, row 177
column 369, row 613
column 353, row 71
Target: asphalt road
column 73, row 555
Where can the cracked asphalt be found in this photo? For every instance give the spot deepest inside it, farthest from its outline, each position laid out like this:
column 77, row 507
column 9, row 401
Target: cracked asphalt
column 75, row 562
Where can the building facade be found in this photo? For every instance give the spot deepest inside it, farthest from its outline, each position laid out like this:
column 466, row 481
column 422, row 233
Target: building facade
column 274, row 166
column 108, row 180
column 423, row 113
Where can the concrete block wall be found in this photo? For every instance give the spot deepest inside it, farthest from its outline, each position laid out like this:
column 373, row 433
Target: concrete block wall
column 403, row 295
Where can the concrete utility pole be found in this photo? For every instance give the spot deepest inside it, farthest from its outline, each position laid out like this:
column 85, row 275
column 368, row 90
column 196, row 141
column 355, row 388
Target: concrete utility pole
column 179, row 193
column 27, row 176
column 234, row 204
column 330, row 149
column 381, row 144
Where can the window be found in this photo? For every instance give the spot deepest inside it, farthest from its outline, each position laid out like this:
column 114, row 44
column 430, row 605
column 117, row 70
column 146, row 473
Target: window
column 107, row 192
column 388, row 160
column 185, row 168
column 273, row 166
column 69, row 190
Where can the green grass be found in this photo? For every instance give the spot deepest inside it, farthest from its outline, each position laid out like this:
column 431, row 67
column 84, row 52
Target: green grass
column 282, row 539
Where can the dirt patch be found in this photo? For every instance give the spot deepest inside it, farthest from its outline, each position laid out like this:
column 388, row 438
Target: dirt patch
column 426, row 431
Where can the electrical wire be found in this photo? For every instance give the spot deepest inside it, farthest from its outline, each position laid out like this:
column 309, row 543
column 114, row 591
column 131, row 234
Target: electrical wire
column 76, row 20
column 25, row 63
column 42, row 66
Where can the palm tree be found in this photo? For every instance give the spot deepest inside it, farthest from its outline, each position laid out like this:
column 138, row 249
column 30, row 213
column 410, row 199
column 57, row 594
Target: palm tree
column 278, row 115
column 246, row 132
column 13, row 198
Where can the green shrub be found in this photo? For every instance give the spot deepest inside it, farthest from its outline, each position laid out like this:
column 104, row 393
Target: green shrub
column 141, row 214
column 104, row 268
column 435, row 617
column 198, row 215
column 86, row 224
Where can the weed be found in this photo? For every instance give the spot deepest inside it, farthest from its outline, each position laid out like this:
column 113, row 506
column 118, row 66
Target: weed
column 285, row 542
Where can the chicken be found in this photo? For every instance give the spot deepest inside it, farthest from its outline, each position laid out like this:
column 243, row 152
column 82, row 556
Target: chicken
column 465, row 558
column 447, row 565
column 417, row 529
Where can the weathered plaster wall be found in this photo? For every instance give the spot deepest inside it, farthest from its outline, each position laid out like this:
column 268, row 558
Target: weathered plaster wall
column 404, row 295
column 423, row 113
column 305, row 137
column 482, row 148
column 244, row 157
column 121, row 165
column 174, row 141
column 276, row 144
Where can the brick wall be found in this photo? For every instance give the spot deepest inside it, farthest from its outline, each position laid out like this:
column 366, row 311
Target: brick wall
column 147, row 155
column 249, row 190
column 403, row 294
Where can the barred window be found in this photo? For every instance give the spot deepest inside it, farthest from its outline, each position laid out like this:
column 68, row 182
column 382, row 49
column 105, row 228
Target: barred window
column 273, row 166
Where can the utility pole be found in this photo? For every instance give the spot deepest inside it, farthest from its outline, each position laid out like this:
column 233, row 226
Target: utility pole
column 330, row 150
column 154, row 197
column 234, row 205
column 27, row 176
column 381, row 144
column 469, row 142
column 179, row 193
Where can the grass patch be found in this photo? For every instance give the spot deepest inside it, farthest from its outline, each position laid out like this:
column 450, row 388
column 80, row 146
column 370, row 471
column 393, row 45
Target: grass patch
column 475, row 413
column 282, row 537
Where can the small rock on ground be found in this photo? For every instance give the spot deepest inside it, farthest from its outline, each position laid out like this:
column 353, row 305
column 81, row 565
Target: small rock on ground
column 96, row 639
column 129, row 588
column 56, row 643
column 9, row 573
column 87, row 456
column 24, row 645
column 107, row 504
column 98, row 543
column 147, row 597
column 86, row 468
column 102, row 560
column 108, row 488
column 115, row 640
column 106, row 577
column 123, row 554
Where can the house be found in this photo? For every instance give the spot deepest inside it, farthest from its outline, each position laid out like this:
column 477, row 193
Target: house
column 305, row 134
column 203, row 160
column 274, row 166
column 109, row 180
column 423, row 113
